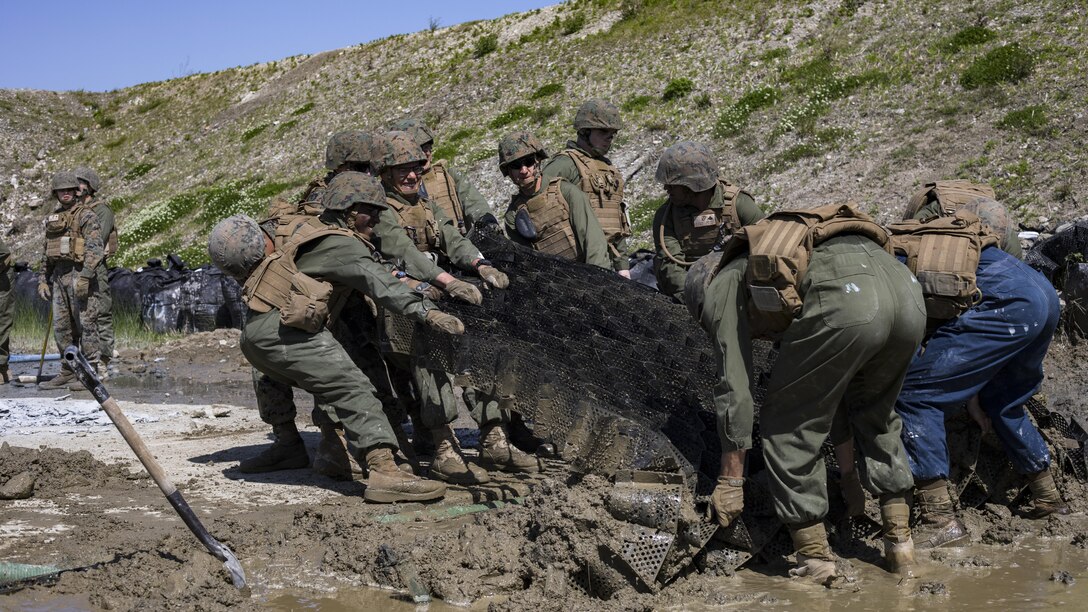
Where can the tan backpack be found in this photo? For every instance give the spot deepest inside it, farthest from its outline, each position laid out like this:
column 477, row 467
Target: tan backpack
column 950, row 194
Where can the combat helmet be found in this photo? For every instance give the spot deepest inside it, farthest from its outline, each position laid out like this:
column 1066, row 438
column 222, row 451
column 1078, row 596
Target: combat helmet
column 687, row 163
column 347, row 146
column 89, row 176
column 415, row 128
column 349, row 188
column 236, row 245
column 597, row 114
column 64, row 180
column 517, row 145
column 397, row 148
column 993, row 214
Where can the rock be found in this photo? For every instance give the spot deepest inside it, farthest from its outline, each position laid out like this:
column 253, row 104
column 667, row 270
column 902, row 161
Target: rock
column 999, row 510
column 933, row 588
column 34, row 173
column 36, row 203
column 21, row 486
column 1063, row 577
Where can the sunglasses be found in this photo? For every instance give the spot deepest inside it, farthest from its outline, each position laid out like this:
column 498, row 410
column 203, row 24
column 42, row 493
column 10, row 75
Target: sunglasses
column 524, row 162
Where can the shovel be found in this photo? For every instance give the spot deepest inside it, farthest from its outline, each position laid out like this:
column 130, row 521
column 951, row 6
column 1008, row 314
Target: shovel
column 88, row 378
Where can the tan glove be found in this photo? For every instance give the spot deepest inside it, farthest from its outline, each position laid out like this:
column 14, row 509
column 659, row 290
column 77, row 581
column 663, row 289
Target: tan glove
column 852, row 493
column 83, row 287
column 727, row 500
column 466, row 292
column 44, row 291
column 493, row 277
column 428, row 290
column 444, row 322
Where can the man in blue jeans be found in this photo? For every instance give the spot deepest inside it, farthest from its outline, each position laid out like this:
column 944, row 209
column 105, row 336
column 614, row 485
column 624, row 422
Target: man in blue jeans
column 988, row 358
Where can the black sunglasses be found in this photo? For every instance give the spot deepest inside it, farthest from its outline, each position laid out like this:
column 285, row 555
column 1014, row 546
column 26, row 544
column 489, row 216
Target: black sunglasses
column 524, row 162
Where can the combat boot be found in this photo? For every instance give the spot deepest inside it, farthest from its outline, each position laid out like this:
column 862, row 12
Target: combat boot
column 102, row 369
column 497, row 453
column 5, row 376
column 814, row 558
column 1047, row 499
column 938, row 524
column 286, row 453
column 898, row 545
column 60, row 381
column 386, row 483
column 332, row 459
column 449, row 464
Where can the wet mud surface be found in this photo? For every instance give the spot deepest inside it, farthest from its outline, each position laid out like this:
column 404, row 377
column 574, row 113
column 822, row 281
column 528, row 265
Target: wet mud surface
column 307, row 542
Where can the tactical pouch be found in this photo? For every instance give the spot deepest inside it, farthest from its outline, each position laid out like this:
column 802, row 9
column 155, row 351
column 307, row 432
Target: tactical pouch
column 772, row 283
column 307, row 306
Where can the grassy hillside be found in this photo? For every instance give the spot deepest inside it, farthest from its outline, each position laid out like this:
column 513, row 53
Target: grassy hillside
column 805, row 102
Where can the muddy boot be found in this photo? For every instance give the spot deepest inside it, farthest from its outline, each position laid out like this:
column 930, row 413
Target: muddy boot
column 1047, row 499
column 898, row 545
column 520, row 435
column 853, row 494
column 102, row 369
column 286, row 453
column 332, row 459
column 938, row 525
column 60, row 381
column 496, row 453
column 386, row 483
column 5, row 376
column 814, row 559
column 449, row 464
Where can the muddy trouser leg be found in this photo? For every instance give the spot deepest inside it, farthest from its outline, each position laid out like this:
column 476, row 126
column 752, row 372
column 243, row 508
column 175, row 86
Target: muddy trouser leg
column 7, row 313
column 275, row 399
column 836, row 350
column 317, row 363
column 65, row 313
column 994, row 350
column 484, row 407
column 88, row 322
column 104, row 308
column 438, row 404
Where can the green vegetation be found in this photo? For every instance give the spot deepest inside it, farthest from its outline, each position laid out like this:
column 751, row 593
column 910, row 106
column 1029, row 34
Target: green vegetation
column 1031, row 119
column 967, row 37
column 150, row 105
column 677, row 88
column 305, row 108
column 546, row 91
column 543, row 113
column 285, row 126
column 734, row 118
column 485, row 44
column 635, row 103
column 252, row 133
column 774, row 54
column 702, row 101
column 642, row 214
column 139, row 170
column 113, row 144
column 448, row 148
column 572, row 24
column 102, row 120
column 516, row 113
column 1007, row 64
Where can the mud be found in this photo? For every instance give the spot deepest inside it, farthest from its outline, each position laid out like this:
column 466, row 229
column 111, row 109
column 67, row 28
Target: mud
column 307, row 542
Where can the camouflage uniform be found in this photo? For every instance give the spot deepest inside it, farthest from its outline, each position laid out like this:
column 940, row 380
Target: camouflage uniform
column 683, row 234
column 604, row 189
column 75, row 321
column 7, row 306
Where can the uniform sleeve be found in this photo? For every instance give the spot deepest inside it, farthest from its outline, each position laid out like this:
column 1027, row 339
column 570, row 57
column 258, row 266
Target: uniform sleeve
column 747, row 210
column 475, row 203
column 670, row 275
column 561, row 165
column 459, row 249
column 348, row 262
column 94, row 247
column 725, row 318
column 395, row 245
column 5, row 257
column 587, row 230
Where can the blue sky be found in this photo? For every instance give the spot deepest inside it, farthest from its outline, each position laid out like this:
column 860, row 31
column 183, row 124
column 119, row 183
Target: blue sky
column 128, row 42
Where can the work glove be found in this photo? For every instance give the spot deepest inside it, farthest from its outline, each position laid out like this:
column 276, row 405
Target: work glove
column 428, row 290
column 44, row 291
column 493, row 277
column 83, row 287
column 727, row 500
column 852, row 493
column 445, row 322
column 466, row 292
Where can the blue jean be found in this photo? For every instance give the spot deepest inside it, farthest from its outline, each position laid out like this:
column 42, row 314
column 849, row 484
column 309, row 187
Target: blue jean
column 995, row 350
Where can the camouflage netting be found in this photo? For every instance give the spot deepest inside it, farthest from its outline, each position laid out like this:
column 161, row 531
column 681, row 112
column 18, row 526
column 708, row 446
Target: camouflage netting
column 1061, row 258
column 619, row 379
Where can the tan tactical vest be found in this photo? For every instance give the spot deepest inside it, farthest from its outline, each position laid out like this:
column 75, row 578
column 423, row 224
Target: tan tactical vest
column 603, row 186
column 950, row 194
column 443, row 191
column 419, row 222
column 308, row 204
column 63, row 239
column 550, row 213
column 943, row 253
column 304, row 302
column 779, row 248
column 698, row 234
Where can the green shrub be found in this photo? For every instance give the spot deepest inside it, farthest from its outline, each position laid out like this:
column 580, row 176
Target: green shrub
column 734, row 118
column 547, row 90
column 485, row 44
column 635, row 103
column 150, row 105
column 1007, row 64
column 516, row 113
column 702, row 101
column 118, row 204
column 572, row 24
column 286, row 125
column 543, row 113
column 967, row 37
column 1031, row 119
column 810, row 74
column 677, row 88
column 774, row 54
column 139, row 170
column 305, row 108
column 103, row 120
column 252, row 133
column 113, row 144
